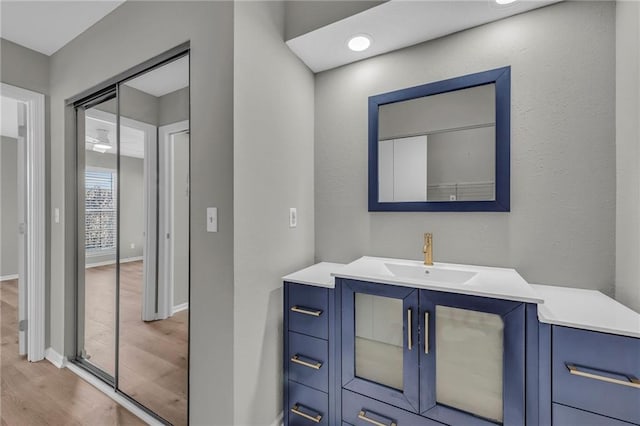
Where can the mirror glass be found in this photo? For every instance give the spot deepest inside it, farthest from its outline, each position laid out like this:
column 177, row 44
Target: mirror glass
column 154, row 233
column 439, row 147
column 378, row 340
column 97, row 211
column 442, row 146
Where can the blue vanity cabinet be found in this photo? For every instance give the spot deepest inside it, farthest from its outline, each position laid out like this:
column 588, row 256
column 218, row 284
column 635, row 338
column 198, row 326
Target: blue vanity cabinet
column 380, row 342
column 309, row 376
column 419, row 357
column 472, row 359
column 594, row 377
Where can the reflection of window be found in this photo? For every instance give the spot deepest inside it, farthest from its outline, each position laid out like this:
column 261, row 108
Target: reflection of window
column 100, row 210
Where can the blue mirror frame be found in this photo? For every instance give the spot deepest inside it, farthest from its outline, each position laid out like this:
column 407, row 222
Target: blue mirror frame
column 501, row 77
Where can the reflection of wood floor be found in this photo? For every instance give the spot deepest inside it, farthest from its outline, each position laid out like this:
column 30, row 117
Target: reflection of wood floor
column 38, row 393
column 153, row 355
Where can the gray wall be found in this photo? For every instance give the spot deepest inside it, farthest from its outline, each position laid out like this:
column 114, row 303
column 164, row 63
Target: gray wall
column 302, row 17
column 173, row 107
column 131, row 34
column 8, row 206
column 24, row 67
column 131, row 203
column 561, row 227
column 181, row 219
column 273, row 158
column 628, row 153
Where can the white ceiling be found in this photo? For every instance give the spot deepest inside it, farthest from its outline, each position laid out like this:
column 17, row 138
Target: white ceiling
column 131, row 140
column 397, row 24
column 46, row 26
column 166, row 79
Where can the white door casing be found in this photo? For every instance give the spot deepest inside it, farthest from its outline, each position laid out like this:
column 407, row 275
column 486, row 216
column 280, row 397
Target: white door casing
column 32, row 277
column 166, row 194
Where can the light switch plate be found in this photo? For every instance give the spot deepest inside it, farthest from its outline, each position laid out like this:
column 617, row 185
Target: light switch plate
column 293, row 217
column 212, row 219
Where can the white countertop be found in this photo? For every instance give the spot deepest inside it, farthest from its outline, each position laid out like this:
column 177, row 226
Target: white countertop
column 587, row 310
column 318, row 275
column 496, row 283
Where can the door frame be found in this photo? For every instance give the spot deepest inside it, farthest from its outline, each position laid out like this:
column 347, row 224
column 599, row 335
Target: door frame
column 165, row 219
column 35, row 231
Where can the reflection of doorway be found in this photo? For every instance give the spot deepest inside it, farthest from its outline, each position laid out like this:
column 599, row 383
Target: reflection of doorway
column 173, row 244
column 25, row 236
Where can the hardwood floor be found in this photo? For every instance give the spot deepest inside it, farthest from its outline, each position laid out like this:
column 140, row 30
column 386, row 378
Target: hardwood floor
column 39, row 393
column 153, row 355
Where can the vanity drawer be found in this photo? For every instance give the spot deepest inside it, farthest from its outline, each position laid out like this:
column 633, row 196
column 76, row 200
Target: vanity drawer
column 356, row 406
column 309, row 361
column 567, row 416
column 307, row 406
column 594, row 371
column 308, row 310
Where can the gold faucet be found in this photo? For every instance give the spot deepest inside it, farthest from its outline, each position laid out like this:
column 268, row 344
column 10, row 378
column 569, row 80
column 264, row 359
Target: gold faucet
column 428, row 249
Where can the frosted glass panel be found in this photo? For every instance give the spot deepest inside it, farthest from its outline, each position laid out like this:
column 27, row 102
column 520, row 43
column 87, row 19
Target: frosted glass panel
column 469, row 350
column 379, row 325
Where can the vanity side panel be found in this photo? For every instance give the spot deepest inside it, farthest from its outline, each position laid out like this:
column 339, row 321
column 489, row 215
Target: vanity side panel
column 544, row 374
column 532, row 366
column 285, row 353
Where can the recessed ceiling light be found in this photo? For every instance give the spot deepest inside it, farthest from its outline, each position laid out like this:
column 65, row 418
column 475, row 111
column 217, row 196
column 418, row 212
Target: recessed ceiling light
column 359, row 42
column 504, row 1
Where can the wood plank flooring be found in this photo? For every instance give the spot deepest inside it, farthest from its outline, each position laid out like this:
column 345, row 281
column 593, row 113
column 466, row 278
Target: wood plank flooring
column 153, row 354
column 153, row 360
column 38, row 393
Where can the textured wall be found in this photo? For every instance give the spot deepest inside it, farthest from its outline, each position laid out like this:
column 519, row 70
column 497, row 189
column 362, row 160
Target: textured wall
column 561, row 227
column 131, row 34
column 628, row 153
column 8, row 206
column 273, row 171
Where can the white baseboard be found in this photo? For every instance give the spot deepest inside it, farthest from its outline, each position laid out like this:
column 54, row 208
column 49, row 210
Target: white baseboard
column 8, row 277
column 180, row 307
column 113, row 262
column 108, row 390
column 279, row 421
column 55, row 358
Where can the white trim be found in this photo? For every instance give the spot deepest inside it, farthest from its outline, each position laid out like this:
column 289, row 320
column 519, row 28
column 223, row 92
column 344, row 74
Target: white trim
column 178, row 308
column 113, row 262
column 165, row 218
column 35, row 217
column 8, row 277
column 55, row 358
column 108, row 390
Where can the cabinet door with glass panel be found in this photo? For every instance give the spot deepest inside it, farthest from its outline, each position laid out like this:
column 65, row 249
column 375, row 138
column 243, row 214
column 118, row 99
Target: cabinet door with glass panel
column 380, row 348
column 472, row 359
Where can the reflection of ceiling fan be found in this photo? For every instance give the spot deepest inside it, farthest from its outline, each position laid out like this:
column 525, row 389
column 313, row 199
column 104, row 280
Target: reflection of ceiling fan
column 102, row 143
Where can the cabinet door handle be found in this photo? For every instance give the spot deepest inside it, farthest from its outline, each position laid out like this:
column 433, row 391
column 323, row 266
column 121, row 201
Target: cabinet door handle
column 426, row 332
column 307, row 311
column 631, row 381
column 409, row 330
column 363, row 416
column 315, row 364
column 296, row 410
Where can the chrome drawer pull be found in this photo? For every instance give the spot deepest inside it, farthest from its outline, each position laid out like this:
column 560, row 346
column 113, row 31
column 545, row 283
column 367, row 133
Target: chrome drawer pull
column 315, row 365
column 631, row 381
column 307, row 311
column 296, row 410
column 426, row 332
column 409, row 330
column 363, row 416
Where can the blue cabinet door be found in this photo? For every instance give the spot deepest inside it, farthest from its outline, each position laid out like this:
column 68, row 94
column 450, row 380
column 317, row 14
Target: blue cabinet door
column 472, row 359
column 380, row 347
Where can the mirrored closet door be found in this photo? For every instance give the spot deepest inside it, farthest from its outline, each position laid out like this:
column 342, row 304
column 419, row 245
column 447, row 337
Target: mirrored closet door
column 133, row 238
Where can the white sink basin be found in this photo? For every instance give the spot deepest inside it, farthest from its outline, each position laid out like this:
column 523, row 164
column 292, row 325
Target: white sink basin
column 432, row 274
